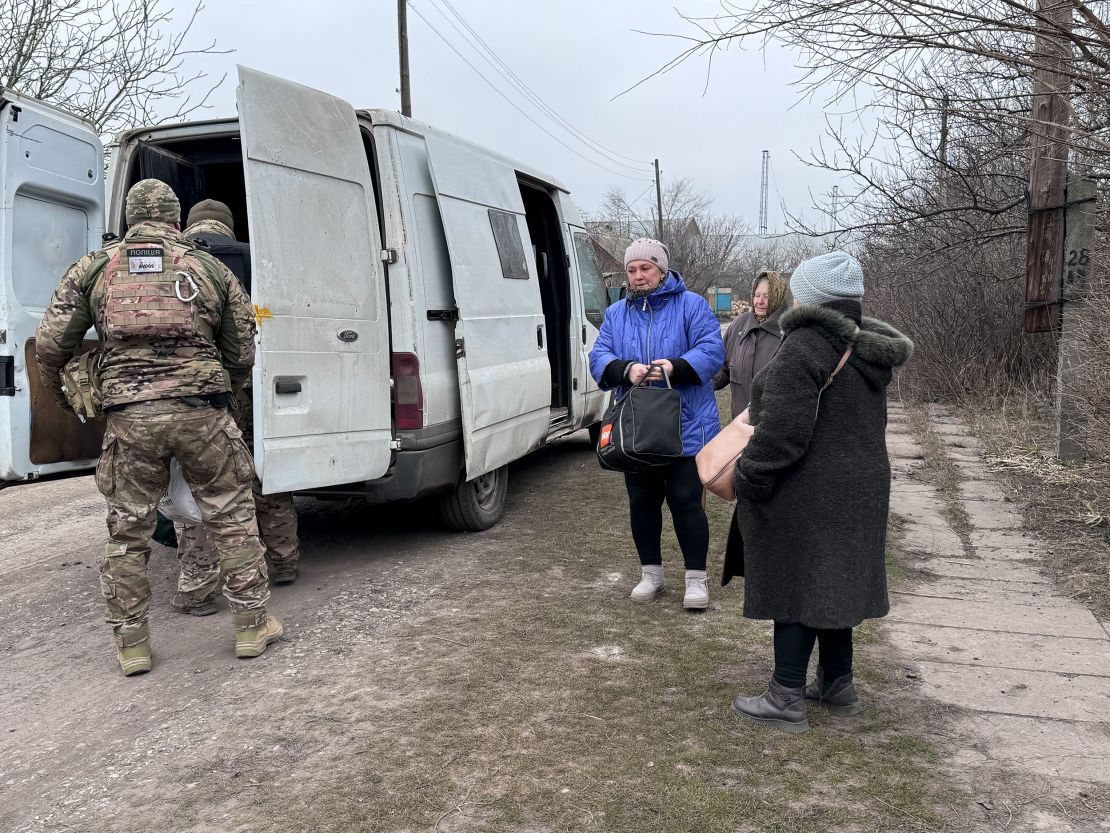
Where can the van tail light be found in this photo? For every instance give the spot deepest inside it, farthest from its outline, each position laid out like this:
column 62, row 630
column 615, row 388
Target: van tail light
column 408, row 394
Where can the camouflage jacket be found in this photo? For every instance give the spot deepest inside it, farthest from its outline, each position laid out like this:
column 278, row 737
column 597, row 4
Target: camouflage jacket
column 136, row 369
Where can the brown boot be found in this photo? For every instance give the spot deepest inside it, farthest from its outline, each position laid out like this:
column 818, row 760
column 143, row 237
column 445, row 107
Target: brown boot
column 133, row 651
column 780, row 707
column 252, row 637
column 839, row 697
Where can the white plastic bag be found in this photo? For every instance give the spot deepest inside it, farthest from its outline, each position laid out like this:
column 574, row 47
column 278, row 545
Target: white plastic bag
column 178, row 504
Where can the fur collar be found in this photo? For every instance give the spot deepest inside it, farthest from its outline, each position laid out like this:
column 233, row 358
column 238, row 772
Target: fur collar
column 878, row 343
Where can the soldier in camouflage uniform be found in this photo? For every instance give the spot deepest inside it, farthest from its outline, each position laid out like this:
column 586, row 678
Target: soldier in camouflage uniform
column 211, row 227
column 177, row 335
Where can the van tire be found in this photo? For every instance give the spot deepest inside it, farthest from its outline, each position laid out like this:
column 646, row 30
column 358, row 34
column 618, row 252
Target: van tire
column 477, row 504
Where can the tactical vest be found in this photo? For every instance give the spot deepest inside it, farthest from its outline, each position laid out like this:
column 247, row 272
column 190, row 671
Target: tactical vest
column 158, row 303
column 146, row 297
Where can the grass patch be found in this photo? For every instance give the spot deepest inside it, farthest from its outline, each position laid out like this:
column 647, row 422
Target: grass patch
column 941, row 473
column 1067, row 505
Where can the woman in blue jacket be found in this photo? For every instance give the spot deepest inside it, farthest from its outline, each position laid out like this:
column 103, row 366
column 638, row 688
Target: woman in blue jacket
column 662, row 327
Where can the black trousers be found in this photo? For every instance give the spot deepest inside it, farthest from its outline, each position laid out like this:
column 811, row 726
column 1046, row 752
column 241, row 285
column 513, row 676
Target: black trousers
column 794, row 644
column 678, row 483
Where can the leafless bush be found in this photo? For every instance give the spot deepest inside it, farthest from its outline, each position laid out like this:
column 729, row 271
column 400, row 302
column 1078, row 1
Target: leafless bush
column 116, row 64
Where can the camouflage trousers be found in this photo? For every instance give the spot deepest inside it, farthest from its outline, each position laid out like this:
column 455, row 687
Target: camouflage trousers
column 132, row 475
column 200, row 563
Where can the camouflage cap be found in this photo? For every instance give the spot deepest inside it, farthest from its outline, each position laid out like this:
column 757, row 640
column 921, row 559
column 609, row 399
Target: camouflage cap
column 152, row 199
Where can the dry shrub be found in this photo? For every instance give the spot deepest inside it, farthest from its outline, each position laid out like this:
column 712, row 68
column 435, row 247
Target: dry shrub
column 965, row 319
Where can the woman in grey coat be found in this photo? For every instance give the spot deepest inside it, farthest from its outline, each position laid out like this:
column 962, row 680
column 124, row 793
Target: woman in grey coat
column 817, row 458
column 753, row 339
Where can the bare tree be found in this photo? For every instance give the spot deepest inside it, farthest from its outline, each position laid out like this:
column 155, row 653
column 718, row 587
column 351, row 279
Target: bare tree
column 935, row 203
column 116, row 64
column 703, row 244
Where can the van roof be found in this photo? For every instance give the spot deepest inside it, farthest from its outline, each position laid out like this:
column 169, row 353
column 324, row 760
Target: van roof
column 391, row 118
column 395, row 119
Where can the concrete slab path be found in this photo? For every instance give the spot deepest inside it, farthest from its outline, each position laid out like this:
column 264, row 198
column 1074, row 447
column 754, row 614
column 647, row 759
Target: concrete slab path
column 983, row 630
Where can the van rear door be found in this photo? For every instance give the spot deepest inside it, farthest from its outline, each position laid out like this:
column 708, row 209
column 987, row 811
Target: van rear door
column 321, row 377
column 501, row 343
column 51, row 213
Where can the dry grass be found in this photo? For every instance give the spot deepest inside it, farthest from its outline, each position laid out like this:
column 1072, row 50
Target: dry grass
column 1068, row 505
column 941, row 472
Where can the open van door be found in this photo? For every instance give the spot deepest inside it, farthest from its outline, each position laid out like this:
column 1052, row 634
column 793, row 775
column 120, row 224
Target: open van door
column 501, row 343
column 51, row 213
column 321, row 377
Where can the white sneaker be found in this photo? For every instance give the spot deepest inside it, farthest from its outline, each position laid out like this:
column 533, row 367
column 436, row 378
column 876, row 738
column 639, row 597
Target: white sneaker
column 697, row 590
column 651, row 583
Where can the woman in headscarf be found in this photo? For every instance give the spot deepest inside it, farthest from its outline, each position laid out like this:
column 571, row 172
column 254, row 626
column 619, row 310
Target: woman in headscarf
column 753, row 339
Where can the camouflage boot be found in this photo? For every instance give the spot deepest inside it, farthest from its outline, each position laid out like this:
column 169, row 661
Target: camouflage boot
column 252, row 636
column 283, row 573
column 133, row 650
column 184, row 603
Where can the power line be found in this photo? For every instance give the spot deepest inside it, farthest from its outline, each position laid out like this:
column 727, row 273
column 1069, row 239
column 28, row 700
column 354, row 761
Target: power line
column 509, row 75
column 514, row 105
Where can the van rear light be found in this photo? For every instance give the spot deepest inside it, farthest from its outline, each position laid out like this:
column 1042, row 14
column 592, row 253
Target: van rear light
column 408, row 394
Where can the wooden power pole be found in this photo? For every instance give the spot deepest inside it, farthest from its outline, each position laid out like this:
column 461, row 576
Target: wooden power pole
column 1061, row 212
column 1049, row 164
column 1079, row 227
column 403, row 49
column 658, row 205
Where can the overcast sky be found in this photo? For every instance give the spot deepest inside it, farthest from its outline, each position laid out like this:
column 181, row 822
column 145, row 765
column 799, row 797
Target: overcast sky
column 576, row 55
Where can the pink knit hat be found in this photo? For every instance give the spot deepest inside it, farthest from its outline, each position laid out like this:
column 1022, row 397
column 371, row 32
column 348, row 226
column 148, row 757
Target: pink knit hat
column 650, row 250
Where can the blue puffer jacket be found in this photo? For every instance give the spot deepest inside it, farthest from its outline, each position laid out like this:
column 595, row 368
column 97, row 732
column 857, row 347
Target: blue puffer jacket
column 671, row 323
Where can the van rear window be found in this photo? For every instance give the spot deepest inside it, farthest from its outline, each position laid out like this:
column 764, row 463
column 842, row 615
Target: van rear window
column 506, row 235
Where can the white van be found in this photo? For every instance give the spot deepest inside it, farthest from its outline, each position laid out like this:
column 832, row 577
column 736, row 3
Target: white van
column 425, row 307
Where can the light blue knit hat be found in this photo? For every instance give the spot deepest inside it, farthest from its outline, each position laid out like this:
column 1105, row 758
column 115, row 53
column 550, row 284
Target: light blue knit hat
column 835, row 276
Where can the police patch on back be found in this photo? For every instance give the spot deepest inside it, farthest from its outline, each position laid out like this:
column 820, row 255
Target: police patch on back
column 144, row 260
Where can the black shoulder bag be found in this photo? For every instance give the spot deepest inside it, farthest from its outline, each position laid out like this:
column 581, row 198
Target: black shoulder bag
column 642, row 429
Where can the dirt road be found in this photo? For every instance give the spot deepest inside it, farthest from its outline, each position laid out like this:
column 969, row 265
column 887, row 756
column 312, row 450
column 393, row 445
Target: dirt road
column 435, row 681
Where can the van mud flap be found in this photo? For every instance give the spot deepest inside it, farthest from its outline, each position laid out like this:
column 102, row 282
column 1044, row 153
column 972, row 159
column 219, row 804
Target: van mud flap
column 56, row 435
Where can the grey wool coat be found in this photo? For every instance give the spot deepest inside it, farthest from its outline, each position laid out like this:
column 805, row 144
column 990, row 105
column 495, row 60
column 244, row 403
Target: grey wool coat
column 813, row 493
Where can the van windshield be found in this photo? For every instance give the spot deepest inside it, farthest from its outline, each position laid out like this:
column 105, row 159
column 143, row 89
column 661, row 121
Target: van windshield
column 595, row 298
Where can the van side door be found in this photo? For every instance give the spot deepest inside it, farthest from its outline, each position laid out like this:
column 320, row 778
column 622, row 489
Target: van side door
column 51, row 213
column 500, row 336
column 595, row 300
column 321, row 377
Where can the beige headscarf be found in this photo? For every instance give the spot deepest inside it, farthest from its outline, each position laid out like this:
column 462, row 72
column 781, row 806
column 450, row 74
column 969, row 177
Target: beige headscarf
column 777, row 287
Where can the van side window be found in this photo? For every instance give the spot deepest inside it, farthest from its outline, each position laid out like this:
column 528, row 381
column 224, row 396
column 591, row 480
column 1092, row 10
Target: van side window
column 506, row 234
column 595, row 298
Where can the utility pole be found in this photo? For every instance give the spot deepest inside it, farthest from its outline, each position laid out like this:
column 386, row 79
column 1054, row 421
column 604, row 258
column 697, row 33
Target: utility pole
column 1048, row 168
column 763, row 194
column 1057, row 260
column 1079, row 222
column 835, row 200
column 658, row 205
column 403, row 49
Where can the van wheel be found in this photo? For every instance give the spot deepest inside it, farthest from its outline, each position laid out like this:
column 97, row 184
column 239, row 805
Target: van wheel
column 595, row 433
column 476, row 504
